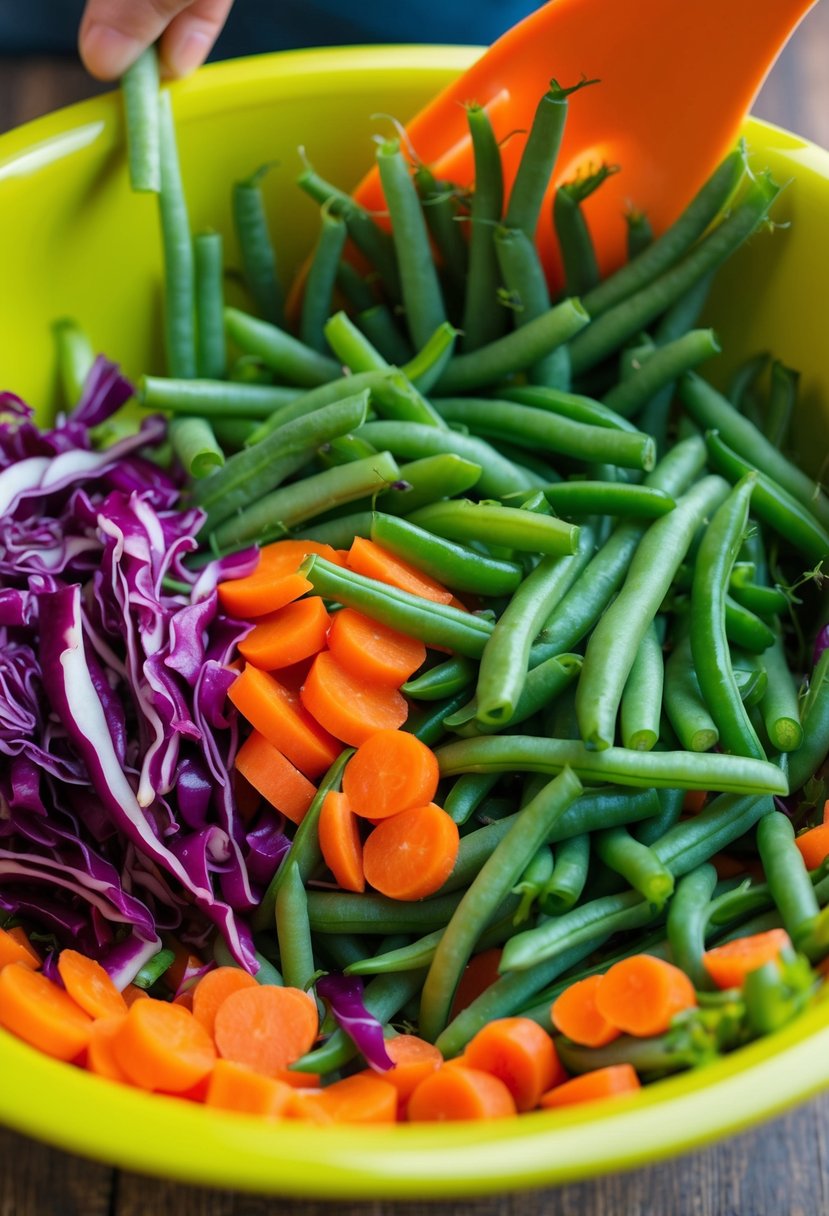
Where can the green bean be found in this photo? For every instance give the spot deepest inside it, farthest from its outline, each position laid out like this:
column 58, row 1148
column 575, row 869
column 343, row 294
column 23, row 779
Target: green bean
column 395, row 397
column 322, row 277
column 652, row 1058
column 668, row 248
column 789, row 514
column 466, row 795
column 639, row 232
column 258, row 257
column 346, row 912
column 744, row 628
column 305, row 850
column 725, row 819
column 441, row 209
column 763, row 601
column 524, row 279
column 75, row 357
column 420, row 286
column 247, row 369
column 340, row 532
column 684, row 313
column 578, row 254
column 523, row 753
column 751, row 679
column 378, row 324
column 608, row 498
column 615, row 640
column 614, row 326
column 434, row 624
column 641, row 703
column 535, row 428
column 745, row 378
column 670, row 809
column 414, row 957
column 267, row 973
column 515, row 351
column 787, row 876
column 344, row 450
column 424, row 368
column 257, row 470
column 294, row 504
column 195, row 446
column 211, row 359
column 442, row 681
column 214, row 398
column 534, row 877
column 779, row 703
column 662, row 368
column 590, row 922
column 289, row 358
column 567, row 405
column 415, row 441
column 541, row 686
column 342, row 949
column 452, row 564
column 350, row 345
column 140, row 91
column 686, row 710
column 293, row 931
column 687, row 919
column 782, row 403
column 233, row 433
column 179, row 277
column 636, row 863
column 566, row 883
column 717, row 553
column 428, row 724
column 496, row 877
column 464, row 520
column 483, row 318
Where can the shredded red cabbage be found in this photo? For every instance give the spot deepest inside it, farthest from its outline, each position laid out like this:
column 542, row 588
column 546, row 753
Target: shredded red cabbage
column 344, row 997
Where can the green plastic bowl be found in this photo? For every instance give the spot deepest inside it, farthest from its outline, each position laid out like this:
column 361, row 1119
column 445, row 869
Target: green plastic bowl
column 78, row 243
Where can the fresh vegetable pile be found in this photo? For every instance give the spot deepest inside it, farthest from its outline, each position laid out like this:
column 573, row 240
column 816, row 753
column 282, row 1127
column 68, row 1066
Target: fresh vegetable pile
column 450, row 631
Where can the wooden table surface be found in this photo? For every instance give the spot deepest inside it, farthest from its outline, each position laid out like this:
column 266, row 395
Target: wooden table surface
column 780, row 1169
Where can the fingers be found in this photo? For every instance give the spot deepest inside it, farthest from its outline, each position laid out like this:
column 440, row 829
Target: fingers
column 113, row 33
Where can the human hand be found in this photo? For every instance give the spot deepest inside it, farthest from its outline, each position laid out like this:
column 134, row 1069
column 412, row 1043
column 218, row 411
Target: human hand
column 113, row 33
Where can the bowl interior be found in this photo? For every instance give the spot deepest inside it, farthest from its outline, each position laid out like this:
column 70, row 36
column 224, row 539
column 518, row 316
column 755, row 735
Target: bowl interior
column 80, row 244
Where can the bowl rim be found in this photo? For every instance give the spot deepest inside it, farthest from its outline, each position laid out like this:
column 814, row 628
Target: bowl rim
column 176, row 1139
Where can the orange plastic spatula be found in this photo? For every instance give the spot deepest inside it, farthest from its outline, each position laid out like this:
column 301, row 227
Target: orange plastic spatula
column 676, row 79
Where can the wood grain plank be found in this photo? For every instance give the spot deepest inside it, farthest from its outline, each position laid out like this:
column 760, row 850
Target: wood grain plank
column 40, row 1181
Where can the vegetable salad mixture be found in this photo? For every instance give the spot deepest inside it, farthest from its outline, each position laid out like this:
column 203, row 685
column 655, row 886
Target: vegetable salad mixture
column 414, row 704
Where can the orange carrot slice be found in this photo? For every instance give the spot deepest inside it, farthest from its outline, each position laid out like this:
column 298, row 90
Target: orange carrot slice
column 259, row 594
column 213, row 989
column 266, row 1028
column 346, row 706
column 410, row 855
column 642, row 994
column 288, row 636
column 131, row 994
column 15, row 947
column 161, row 1046
column 814, row 845
column 40, row 1013
column 367, row 558
column 480, row 973
column 610, row 1082
column 288, row 555
column 456, row 1092
column 339, row 840
column 376, row 653
column 363, row 1098
column 414, row 1060
column 100, row 1054
column 521, row 1054
column 729, row 964
column 274, row 777
column 391, row 772
column 278, row 714
column 235, row 1087
column 576, row 1014
column 89, row 985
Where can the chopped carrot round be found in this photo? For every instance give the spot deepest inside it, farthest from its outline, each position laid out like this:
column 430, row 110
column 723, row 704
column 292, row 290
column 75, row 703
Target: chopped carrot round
column 367, row 558
column 414, row 1060
column 307, row 1105
column 576, row 1015
column 288, row 555
column 642, row 994
column 729, row 964
column 41, row 1013
column 287, row 636
column 480, row 973
column 238, row 1088
column 410, row 855
column 89, row 985
column 456, row 1092
column 521, row 1054
column 161, row 1046
column 266, row 1028
column 610, row 1082
column 339, row 840
column 259, row 594
column 391, row 772
column 363, row 1098
column 15, row 947
column 277, row 713
column 274, row 777
column 814, row 845
column 132, row 993
column 346, row 706
column 372, row 651
column 212, row 989
column 100, row 1054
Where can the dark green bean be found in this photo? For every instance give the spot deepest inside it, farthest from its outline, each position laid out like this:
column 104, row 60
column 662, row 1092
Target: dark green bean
column 567, row 405
column 140, row 90
column 484, row 319
column 427, row 725
column 322, row 277
column 661, row 368
column 466, row 795
column 524, row 279
column 636, row 863
column 293, row 931
column 725, row 819
column 787, row 876
column 670, row 808
column 762, row 600
column 578, row 254
column 641, row 704
column 744, row 379
column 258, row 256
column 179, row 274
column 639, row 232
column 452, row 564
column 233, row 433
column 380, row 327
column 684, row 313
column 211, row 357
column 442, row 681
column 566, row 883
column 608, row 498
column 687, row 920
column 346, row 912
column 464, row 520
column 267, row 973
column 441, row 204
column 745, row 629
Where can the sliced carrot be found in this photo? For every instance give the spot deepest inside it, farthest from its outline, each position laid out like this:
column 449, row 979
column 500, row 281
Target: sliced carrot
column 89, row 985
column 520, row 1053
column 642, row 994
column 100, row 1054
column 363, row 1098
column 235, row 1087
column 308, row 1106
column 826, row 811
column 373, row 651
column 248, row 799
column 161, row 1046
column 288, row 636
column 274, row 777
column 814, row 845
column 184, row 963
column 694, row 801
column 132, row 993
column 339, row 840
column 287, row 555
column 480, row 973
column 391, row 772
column 212, row 989
column 298, row 1080
column 576, row 1015
column 729, row 964
column 456, row 1092
column 266, row 1028
column 348, row 707
column 610, row 1082
column 259, row 594
column 414, row 1060
column 41, row 1013
column 278, row 714
column 15, row 947
column 410, row 855
column 371, row 560
column 185, row 999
